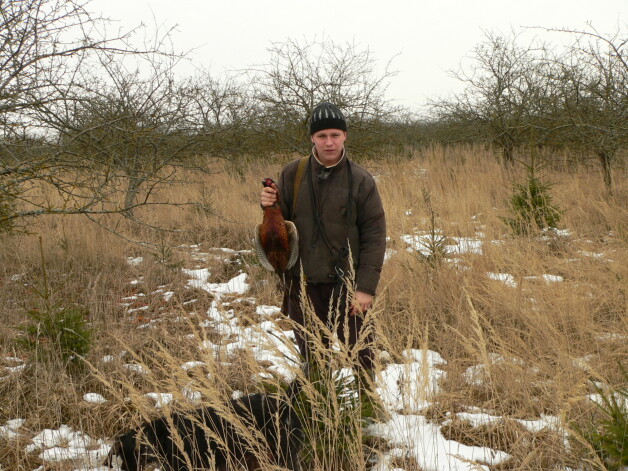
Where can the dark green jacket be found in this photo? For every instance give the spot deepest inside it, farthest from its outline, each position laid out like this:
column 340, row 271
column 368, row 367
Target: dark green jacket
column 366, row 229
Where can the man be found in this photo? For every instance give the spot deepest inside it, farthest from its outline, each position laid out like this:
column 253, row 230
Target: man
column 337, row 209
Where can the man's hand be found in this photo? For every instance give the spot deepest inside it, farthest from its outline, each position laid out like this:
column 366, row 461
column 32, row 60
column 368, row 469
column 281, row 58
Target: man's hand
column 269, row 196
column 361, row 302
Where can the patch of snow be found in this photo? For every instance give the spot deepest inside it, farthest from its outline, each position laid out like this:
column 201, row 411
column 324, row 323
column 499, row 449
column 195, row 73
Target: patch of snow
column 137, row 309
column 462, row 245
column 191, row 364
column 598, row 399
column 200, row 256
column 409, row 387
column 545, row 422
column 208, row 345
column 432, row 358
column 505, row 278
column 261, row 376
column 477, row 375
column 58, row 453
column 236, row 285
column 612, row 336
column 64, row 444
column 192, row 395
column 560, row 232
column 94, row 398
column 384, row 462
column 226, row 250
column 10, row 429
column 248, row 299
column 546, row 278
column 465, row 245
column 15, row 369
column 134, row 261
column 552, row 278
column 267, row 310
column 459, row 263
column 136, row 368
column 388, row 254
column 424, row 442
column 583, row 362
column 199, row 276
column 591, row 254
column 13, row 359
column 160, row 399
column 420, row 243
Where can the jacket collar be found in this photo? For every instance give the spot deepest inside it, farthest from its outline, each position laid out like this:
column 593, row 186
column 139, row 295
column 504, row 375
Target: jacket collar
column 342, row 158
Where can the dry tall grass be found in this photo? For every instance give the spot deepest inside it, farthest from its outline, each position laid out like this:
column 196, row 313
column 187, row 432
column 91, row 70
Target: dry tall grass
column 535, row 343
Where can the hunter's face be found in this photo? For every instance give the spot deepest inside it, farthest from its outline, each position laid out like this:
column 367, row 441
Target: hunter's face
column 329, row 144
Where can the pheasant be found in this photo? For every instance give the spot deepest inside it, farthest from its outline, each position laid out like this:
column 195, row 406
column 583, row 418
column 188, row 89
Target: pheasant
column 276, row 240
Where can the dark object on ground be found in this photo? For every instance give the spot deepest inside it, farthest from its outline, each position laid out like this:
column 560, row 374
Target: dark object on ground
column 202, row 438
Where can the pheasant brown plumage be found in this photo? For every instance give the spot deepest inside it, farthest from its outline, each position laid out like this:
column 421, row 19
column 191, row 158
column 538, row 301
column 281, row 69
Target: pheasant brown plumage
column 276, row 239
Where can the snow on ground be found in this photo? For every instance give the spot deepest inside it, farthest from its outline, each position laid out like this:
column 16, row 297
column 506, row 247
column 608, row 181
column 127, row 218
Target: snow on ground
column 416, row 437
column 505, row 278
column 410, row 386
column 451, row 245
column 10, row 429
column 65, row 444
column 94, row 398
column 134, row 261
column 407, row 388
column 236, row 285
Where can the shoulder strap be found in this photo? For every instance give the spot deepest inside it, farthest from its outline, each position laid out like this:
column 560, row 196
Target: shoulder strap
column 297, row 183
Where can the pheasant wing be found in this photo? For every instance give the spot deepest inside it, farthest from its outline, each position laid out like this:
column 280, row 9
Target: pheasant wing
column 293, row 237
column 259, row 250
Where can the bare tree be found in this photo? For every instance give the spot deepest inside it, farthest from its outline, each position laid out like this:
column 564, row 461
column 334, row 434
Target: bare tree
column 47, row 48
column 506, row 96
column 302, row 74
column 42, row 46
column 517, row 96
column 129, row 125
column 594, row 90
column 221, row 111
column 215, row 103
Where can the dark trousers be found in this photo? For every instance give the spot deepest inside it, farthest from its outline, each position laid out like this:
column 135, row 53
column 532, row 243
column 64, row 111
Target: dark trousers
column 325, row 298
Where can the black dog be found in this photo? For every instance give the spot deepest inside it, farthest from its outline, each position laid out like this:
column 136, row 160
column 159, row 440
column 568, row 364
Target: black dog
column 202, row 438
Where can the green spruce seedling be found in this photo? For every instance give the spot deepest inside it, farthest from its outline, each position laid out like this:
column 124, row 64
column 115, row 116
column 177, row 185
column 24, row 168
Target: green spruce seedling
column 609, row 435
column 55, row 332
column 531, row 205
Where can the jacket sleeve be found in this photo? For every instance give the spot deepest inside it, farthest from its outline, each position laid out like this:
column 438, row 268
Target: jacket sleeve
column 371, row 222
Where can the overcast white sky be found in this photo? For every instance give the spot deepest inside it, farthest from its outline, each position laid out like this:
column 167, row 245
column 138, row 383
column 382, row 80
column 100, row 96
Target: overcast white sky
column 428, row 38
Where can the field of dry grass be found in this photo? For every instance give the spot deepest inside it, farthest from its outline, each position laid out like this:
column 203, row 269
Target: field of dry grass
column 525, row 324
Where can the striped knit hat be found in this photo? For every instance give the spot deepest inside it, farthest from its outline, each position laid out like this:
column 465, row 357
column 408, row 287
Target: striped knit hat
column 327, row 116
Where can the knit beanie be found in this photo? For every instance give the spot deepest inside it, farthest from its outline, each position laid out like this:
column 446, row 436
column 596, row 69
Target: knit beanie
column 327, row 116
